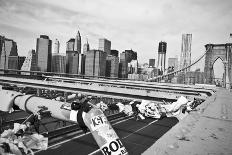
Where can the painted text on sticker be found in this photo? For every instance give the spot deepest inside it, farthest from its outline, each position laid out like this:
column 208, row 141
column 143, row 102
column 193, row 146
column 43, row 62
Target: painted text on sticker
column 115, row 147
column 98, row 121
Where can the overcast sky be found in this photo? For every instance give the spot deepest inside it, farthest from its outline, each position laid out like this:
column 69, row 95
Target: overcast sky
column 136, row 24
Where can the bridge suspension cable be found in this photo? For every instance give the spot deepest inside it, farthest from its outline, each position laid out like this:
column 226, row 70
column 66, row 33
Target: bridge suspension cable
column 177, row 71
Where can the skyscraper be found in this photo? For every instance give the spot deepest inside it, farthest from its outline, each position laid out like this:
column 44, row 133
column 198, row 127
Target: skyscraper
column 105, row 45
column 9, row 48
column 81, row 64
column 162, row 56
column 15, row 63
column 95, row 64
column 1, row 43
column 30, row 63
column 72, row 57
column 56, row 46
column 44, row 53
column 58, row 60
column 70, row 45
column 114, row 52
column 152, row 63
column 112, row 65
column 173, row 62
column 86, row 47
column 77, row 44
column 185, row 57
column 133, row 67
column 126, row 57
column 58, row 63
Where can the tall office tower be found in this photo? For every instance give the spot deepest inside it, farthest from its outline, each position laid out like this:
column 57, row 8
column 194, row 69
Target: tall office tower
column 21, row 60
column 58, row 63
column 75, row 61
column 130, row 55
column 56, row 46
column 152, row 63
column 72, row 62
column 9, row 48
column 72, row 57
column 58, row 59
column 70, row 45
column 77, row 44
column 133, row 67
column 1, row 43
column 95, row 64
column 44, row 53
column 185, row 57
column 112, row 65
column 162, row 57
column 30, row 63
column 173, row 62
column 123, row 70
column 126, row 57
column 105, row 45
column 86, row 47
column 114, row 52
column 15, row 63
column 81, row 64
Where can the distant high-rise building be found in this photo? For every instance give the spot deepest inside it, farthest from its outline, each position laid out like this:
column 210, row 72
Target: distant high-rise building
column 44, row 53
column 58, row 59
column 9, row 48
column 58, row 63
column 74, row 59
column 56, row 46
column 21, row 60
column 70, row 45
column 185, row 57
column 77, row 44
column 126, row 57
column 86, row 48
column 81, row 64
column 162, row 49
column 123, row 70
column 30, row 63
column 105, row 45
column 133, row 67
column 114, row 53
column 72, row 62
column 152, row 63
column 112, row 65
column 1, row 43
column 173, row 62
column 15, row 63
column 95, row 63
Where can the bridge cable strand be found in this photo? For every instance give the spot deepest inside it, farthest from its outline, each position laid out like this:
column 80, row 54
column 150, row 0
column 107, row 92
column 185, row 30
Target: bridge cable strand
column 174, row 72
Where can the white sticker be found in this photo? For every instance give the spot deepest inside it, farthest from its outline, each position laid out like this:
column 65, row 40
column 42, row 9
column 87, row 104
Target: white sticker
column 73, row 115
column 98, row 121
column 114, row 147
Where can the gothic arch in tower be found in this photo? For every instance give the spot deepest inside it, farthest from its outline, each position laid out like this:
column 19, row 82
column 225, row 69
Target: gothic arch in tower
column 214, row 52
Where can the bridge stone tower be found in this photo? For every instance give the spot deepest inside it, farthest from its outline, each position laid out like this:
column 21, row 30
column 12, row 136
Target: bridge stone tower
column 218, row 51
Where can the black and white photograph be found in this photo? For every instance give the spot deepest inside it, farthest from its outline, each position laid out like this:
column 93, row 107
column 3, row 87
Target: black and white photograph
column 115, row 77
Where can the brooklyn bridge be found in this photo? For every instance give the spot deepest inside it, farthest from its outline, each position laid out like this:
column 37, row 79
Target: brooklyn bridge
column 49, row 102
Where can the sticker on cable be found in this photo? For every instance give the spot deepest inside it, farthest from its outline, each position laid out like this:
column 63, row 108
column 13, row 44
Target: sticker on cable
column 114, row 147
column 73, row 115
column 98, row 121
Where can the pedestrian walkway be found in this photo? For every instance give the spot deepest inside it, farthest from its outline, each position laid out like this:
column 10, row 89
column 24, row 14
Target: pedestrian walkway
column 207, row 131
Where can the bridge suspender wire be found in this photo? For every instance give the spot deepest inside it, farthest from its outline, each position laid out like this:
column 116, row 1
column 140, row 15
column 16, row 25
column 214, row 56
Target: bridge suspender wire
column 182, row 69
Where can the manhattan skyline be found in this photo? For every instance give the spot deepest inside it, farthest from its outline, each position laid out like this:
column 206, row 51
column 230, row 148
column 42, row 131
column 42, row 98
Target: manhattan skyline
column 139, row 25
